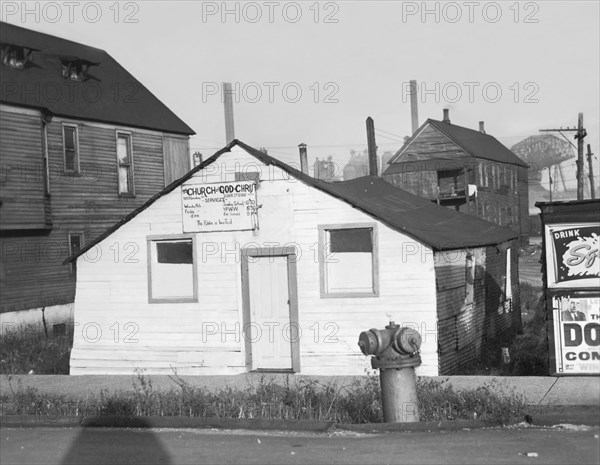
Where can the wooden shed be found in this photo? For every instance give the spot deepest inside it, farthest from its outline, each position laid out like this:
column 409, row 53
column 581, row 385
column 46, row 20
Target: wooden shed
column 247, row 264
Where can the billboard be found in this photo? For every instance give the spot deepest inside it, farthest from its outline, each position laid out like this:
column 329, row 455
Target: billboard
column 577, row 334
column 223, row 206
column 572, row 256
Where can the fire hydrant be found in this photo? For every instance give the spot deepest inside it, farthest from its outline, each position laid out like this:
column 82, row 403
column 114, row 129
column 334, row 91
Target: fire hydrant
column 396, row 354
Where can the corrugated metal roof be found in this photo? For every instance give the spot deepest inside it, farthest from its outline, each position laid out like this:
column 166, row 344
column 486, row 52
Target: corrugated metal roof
column 111, row 94
column 436, row 226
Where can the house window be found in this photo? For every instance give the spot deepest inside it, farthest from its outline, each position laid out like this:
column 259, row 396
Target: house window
column 75, row 245
column 469, row 279
column 348, row 261
column 71, row 148
column 172, row 275
column 46, row 166
column 508, row 285
column 125, row 164
column 485, row 180
column 15, row 56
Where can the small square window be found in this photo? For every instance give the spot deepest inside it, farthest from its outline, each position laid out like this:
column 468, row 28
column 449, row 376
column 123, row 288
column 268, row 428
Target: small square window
column 59, row 329
column 172, row 272
column 348, row 262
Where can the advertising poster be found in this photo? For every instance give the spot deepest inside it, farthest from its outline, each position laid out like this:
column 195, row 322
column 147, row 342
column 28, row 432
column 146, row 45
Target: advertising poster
column 577, row 334
column 224, row 206
column 572, row 256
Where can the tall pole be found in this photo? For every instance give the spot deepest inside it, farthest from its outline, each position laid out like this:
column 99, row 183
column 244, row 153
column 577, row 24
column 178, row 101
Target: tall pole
column 580, row 135
column 228, row 105
column 372, row 147
column 414, row 106
column 591, row 172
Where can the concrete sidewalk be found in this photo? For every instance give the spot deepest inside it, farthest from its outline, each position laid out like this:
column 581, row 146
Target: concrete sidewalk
column 552, row 391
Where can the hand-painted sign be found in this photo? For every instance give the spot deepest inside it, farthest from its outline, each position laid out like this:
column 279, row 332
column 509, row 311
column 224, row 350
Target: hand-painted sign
column 572, row 255
column 226, row 206
column 577, row 334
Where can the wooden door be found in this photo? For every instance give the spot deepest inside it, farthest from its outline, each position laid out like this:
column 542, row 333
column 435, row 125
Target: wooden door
column 270, row 326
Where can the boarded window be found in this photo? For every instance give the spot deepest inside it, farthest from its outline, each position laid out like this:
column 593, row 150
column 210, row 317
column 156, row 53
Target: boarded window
column 172, row 277
column 176, row 153
column 71, row 149
column 348, row 262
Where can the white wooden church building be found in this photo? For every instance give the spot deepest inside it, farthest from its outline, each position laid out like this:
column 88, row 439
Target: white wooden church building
column 247, row 264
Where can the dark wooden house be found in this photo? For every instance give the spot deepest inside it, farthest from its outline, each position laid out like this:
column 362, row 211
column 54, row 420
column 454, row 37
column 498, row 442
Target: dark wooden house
column 82, row 143
column 466, row 170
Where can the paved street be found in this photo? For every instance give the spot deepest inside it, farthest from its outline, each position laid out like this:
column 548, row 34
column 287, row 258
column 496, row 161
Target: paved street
column 39, row 445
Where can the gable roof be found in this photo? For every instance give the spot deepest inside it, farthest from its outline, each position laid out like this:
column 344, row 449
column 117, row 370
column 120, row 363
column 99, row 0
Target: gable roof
column 110, row 95
column 475, row 143
column 436, row 226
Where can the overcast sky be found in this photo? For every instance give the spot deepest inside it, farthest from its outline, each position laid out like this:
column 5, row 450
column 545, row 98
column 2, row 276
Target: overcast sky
column 313, row 72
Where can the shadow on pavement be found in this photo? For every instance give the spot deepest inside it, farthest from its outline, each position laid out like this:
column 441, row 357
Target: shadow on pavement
column 117, row 445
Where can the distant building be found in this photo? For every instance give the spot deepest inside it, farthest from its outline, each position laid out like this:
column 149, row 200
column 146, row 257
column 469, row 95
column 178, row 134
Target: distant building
column 82, row 143
column 358, row 165
column 325, row 170
column 466, row 170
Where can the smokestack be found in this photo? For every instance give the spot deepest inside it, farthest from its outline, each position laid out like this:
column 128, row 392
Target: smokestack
column 372, row 148
column 228, row 103
column 303, row 158
column 481, row 127
column 446, row 116
column 414, row 111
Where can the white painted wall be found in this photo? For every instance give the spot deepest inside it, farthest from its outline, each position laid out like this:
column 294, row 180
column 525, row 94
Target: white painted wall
column 31, row 320
column 119, row 331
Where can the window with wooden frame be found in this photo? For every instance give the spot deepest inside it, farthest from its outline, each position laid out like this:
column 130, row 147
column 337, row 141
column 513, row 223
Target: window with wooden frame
column 348, row 261
column 75, row 245
column 125, row 164
column 171, row 270
column 71, row 148
column 46, row 163
column 470, row 265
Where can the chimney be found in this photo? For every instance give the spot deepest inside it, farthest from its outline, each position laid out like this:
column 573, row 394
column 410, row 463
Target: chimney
column 446, row 116
column 414, row 112
column 303, row 158
column 481, row 128
column 372, row 148
column 228, row 103
column 197, row 158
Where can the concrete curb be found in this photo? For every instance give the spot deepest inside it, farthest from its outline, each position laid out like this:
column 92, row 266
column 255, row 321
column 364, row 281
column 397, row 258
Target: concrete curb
column 578, row 415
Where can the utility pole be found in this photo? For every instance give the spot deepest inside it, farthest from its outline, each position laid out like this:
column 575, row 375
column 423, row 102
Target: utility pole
column 591, row 171
column 580, row 134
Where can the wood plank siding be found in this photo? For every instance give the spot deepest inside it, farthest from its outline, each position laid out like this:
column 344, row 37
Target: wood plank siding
column 206, row 337
column 86, row 202
column 477, row 325
column 22, row 190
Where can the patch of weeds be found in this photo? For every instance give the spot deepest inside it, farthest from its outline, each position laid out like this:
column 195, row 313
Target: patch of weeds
column 30, row 351
column 357, row 402
column 439, row 401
